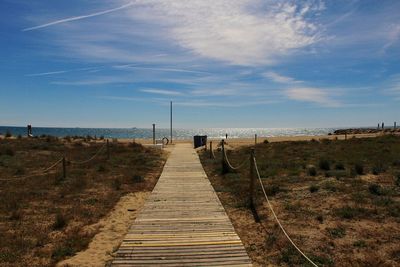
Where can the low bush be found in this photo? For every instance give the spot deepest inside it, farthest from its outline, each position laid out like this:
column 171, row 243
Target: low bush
column 137, row 178
column 337, row 232
column 311, row 170
column 397, row 179
column 116, row 184
column 60, row 221
column 339, row 166
column 324, row 164
column 348, row 212
column 375, row 189
column 314, row 188
column 359, row 168
column 360, row 244
column 9, row 152
column 273, row 190
column 378, row 168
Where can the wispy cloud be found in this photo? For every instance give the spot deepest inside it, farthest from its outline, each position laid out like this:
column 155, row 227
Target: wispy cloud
column 161, row 92
column 77, row 17
column 222, row 104
column 392, row 86
column 313, row 95
column 128, row 66
column 275, row 77
column 237, row 32
column 62, row 72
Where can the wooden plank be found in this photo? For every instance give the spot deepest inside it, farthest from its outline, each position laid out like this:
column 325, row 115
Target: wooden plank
column 183, row 222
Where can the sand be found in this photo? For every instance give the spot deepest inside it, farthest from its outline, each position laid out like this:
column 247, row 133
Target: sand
column 236, row 142
column 112, row 230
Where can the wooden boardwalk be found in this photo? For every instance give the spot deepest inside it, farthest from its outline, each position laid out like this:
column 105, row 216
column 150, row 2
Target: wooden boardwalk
column 183, row 222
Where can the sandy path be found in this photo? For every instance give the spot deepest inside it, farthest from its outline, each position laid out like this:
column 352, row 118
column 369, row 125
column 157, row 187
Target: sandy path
column 112, row 230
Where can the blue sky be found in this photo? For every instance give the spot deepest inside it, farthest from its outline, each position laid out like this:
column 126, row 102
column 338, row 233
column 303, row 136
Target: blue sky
column 224, row 63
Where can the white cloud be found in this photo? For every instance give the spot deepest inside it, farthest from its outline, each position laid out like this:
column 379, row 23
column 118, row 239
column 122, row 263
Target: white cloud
column 239, row 32
column 313, row 95
column 275, row 77
column 243, row 32
column 160, row 91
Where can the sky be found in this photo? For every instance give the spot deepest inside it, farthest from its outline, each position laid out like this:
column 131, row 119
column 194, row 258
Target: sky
column 223, row 63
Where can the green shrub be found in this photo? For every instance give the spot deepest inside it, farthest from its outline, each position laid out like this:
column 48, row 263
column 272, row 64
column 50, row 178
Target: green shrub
column 378, row 168
column 20, row 170
column 359, row 168
column 339, row 166
column 116, row 184
column 324, row 164
column 375, row 189
column 137, row 178
column 397, row 179
column 314, row 188
column 101, row 168
column 337, row 232
column 336, row 173
column 8, row 134
column 360, row 244
column 60, row 221
column 348, row 212
column 311, row 170
column 61, row 252
column 273, row 190
column 330, row 186
column 265, row 141
column 9, row 152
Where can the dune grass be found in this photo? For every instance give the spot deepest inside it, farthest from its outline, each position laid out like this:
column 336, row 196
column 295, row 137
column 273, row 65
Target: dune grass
column 42, row 217
column 339, row 200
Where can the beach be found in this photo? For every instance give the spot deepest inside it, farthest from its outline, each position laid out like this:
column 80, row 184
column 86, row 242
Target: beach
column 237, row 142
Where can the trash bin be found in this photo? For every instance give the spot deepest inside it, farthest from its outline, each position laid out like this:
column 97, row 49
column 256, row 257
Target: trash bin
column 199, row 140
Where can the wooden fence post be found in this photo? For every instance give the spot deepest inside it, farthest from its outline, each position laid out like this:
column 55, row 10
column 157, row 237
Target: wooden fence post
column 64, row 163
column 211, row 152
column 255, row 139
column 108, row 150
column 252, row 180
column 225, row 168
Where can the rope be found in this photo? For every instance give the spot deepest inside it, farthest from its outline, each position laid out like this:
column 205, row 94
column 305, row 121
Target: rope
column 276, row 218
column 35, row 174
column 230, row 165
column 212, row 153
column 90, row 159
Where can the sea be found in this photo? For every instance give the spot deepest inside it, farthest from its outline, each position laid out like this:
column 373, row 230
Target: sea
column 131, row 133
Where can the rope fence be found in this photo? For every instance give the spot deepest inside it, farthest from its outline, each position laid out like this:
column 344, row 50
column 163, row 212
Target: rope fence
column 90, row 159
column 254, row 170
column 64, row 162
column 230, row 165
column 276, row 218
column 38, row 173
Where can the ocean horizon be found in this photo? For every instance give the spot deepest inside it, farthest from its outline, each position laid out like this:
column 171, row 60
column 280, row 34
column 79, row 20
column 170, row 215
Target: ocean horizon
column 178, row 133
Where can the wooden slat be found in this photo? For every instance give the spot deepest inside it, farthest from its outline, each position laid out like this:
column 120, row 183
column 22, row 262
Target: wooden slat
column 183, row 222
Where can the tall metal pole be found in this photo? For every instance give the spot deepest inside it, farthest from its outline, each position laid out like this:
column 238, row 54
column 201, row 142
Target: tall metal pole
column 154, row 134
column 171, row 121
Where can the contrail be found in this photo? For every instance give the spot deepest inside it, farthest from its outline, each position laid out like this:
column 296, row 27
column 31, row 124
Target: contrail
column 77, row 18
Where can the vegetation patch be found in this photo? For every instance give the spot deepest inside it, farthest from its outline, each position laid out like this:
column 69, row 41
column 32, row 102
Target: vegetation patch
column 41, row 217
column 352, row 205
